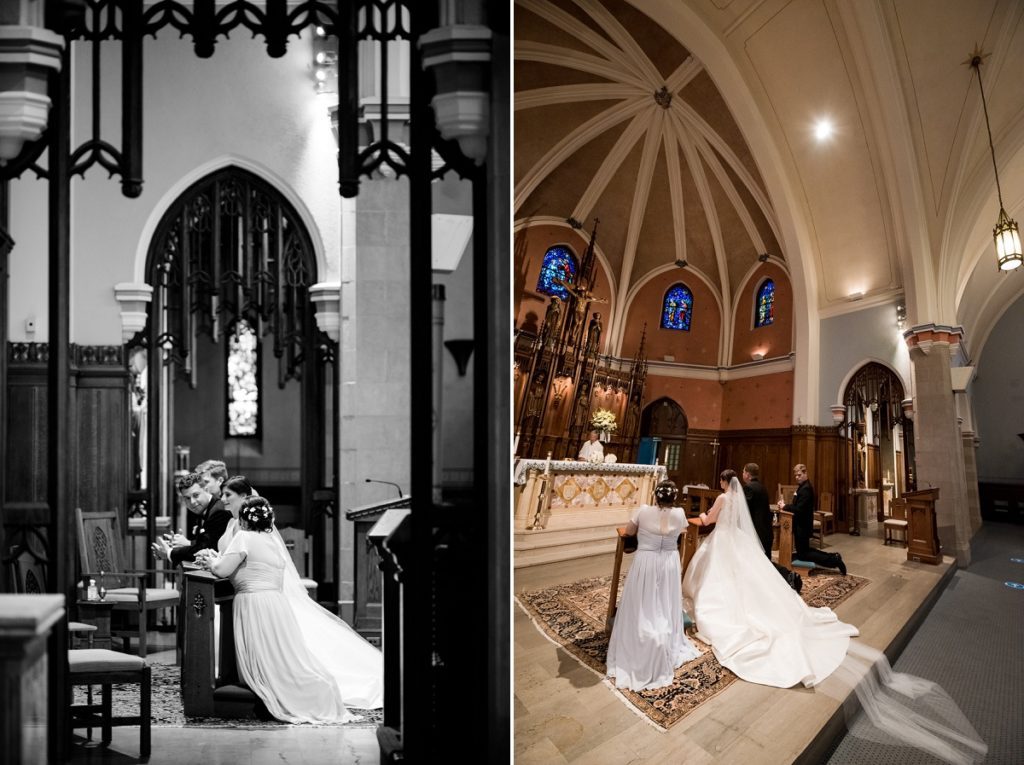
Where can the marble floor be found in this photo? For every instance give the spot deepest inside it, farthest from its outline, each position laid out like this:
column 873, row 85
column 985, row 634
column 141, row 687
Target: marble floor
column 565, row 714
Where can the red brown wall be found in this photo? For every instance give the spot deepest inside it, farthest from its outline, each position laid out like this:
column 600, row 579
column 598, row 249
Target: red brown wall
column 777, row 338
column 699, row 345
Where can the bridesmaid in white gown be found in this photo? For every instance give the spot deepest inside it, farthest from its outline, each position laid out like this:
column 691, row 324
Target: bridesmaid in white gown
column 647, row 642
column 757, row 625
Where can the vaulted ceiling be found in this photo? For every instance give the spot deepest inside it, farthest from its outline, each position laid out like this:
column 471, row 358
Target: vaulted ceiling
column 689, row 129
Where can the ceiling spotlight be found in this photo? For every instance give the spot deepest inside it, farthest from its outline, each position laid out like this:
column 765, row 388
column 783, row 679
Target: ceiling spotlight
column 763, row 257
column 823, row 130
column 681, row 263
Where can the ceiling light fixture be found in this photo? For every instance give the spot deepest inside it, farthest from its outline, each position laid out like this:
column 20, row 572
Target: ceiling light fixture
column 823, row 130
column 1006, row 234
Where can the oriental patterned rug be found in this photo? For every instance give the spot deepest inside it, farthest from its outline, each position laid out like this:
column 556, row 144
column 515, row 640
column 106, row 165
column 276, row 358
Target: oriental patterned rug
column 572, row 616
column 167, row 711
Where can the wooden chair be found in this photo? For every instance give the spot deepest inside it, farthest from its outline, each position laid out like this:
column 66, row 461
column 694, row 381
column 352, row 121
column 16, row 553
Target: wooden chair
column 896, row 522
column 100, row 545
column 103, row 667
column 826, row 507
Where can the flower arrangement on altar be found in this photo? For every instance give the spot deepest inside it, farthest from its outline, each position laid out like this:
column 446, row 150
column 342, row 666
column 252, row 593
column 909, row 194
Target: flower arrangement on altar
column 603, row 421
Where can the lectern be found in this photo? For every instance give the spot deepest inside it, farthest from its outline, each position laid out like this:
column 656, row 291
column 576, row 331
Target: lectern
column 922, row 532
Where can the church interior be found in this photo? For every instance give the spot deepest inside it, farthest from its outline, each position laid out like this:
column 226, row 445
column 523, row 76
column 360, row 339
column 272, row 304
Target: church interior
column 779, row 232
column 272, row 234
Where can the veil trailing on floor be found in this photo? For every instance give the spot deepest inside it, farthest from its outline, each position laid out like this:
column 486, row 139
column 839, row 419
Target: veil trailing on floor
column 897, row 709
column 357, row 665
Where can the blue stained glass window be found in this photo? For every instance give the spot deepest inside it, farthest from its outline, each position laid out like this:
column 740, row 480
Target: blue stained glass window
column 765, row 307
column 677, row 307
column 559, row 265
column 243, row 381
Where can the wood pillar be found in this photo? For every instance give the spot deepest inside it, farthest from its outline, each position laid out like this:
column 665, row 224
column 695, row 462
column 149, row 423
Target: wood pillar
column 59, row 474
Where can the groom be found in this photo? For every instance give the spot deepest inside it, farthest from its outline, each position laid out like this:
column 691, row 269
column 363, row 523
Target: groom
column 802, row 508
column 761, row 514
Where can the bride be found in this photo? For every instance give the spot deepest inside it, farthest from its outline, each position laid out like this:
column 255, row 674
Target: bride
column 756, row 624
column 355, row 667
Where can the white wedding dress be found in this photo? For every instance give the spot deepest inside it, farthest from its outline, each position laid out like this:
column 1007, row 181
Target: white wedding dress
column 756, row 624
column 355, row 666
column 647, row 642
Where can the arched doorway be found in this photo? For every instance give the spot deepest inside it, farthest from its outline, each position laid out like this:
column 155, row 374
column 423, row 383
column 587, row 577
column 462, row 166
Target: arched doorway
column 664, row 420
column 876, row 454
column 232, row 365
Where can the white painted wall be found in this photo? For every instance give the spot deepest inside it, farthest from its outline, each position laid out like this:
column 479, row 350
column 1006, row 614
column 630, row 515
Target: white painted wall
column 850, row 340
column 240, row 106
column 998, row 398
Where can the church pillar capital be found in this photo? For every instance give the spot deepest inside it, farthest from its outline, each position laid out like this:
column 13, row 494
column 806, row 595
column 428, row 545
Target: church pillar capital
column 326, row 297
column 924, row 337
column 133, row 297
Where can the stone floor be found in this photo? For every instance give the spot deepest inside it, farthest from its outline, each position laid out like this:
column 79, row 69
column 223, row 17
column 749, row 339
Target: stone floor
column 565, row 714
column 292, row 745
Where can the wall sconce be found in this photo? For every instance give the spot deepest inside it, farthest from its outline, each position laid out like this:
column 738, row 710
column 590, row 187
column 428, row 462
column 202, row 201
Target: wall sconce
column 901, row 315
column 757, row 355
column 325, row 62
column 461, row 350
column 1005, row 233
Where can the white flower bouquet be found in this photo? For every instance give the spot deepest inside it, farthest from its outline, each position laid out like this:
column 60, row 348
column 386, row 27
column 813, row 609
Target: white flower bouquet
column 603, row 421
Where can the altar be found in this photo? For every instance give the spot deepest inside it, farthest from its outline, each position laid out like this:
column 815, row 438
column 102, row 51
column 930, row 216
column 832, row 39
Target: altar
column 569, row 509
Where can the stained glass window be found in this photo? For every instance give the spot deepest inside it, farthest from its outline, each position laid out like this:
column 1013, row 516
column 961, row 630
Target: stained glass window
column 243, row 381
column 559, row 265
column 677, row 307
column 765, row 307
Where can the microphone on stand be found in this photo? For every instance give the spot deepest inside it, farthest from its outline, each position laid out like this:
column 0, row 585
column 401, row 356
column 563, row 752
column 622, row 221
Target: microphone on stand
column 389, row 483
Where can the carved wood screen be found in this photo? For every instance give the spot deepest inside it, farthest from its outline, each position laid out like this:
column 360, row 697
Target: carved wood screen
column 876, row 439
column 231, row 249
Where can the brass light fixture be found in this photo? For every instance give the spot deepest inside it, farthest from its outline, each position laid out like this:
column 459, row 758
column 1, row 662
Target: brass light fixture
column 1005, row 233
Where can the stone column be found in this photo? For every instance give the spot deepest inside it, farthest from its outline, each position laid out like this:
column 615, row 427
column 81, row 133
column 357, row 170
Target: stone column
column 937, row 442
column 970, row 444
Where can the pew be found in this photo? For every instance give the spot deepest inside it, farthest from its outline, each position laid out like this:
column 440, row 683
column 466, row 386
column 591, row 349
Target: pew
column 203, row 692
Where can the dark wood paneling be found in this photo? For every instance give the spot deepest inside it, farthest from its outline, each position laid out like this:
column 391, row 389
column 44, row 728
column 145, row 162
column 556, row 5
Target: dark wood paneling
column 101, row 404
column 769, row 449
column 26, row 468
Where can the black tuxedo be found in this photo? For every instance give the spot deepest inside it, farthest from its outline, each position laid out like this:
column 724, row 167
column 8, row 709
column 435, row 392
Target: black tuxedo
column 760, row 512
column 804, row 503
column 212, row 524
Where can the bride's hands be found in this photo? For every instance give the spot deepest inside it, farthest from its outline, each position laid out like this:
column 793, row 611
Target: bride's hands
column 205, row 558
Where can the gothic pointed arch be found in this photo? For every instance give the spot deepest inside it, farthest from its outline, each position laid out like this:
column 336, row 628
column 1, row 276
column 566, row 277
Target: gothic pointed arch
column 231, row 263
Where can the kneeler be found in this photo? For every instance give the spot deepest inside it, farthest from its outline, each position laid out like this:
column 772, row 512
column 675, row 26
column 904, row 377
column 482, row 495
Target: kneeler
column 786, row 559
column 687, row 544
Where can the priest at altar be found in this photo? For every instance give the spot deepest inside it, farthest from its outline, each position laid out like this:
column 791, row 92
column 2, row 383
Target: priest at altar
column 592, row 449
